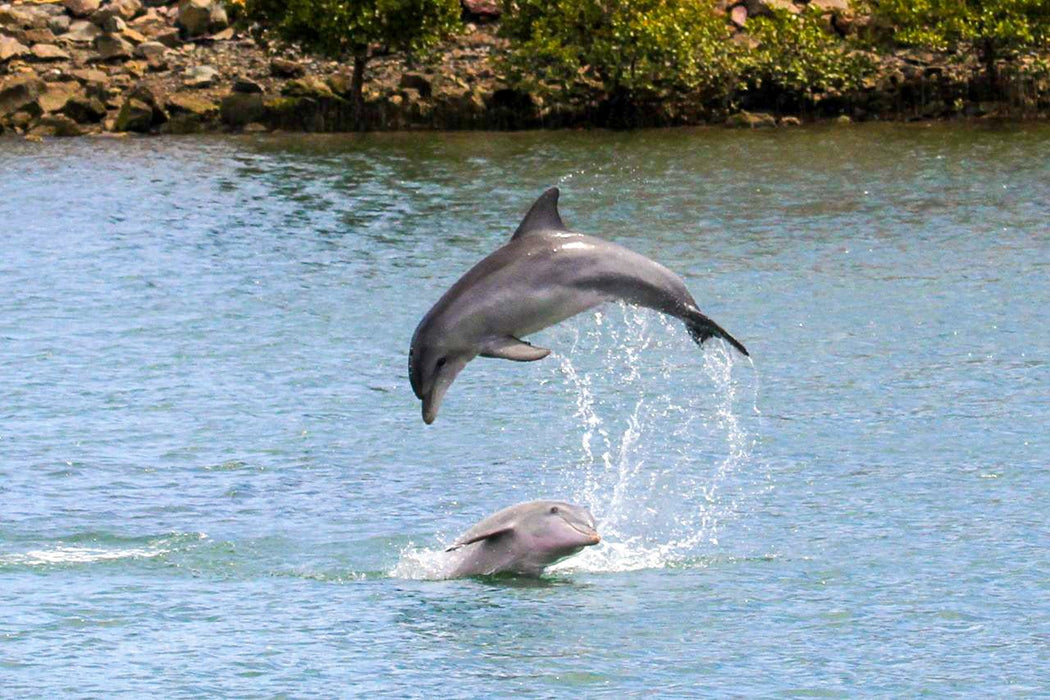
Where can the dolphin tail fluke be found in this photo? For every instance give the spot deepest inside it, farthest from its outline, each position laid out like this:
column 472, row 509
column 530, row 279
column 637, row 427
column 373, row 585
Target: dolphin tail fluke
column 702, row 328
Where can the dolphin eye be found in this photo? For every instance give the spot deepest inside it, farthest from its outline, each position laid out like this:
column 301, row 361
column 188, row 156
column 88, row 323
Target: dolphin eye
column 441, row 362
column 554, row 510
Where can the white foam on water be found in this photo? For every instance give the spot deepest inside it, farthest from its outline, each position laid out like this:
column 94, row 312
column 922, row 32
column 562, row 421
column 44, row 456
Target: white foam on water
column 420, row 563
column 64, row 554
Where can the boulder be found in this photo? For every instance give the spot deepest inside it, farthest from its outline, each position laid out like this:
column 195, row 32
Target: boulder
column 84, row 110
column 135, row 115
column 114, row 24
column 199, row 77
column 190, row 103
column 122, row 9
column 481, row 10
column 87, row 76
column 111, row 46
column 54, row 96
column 151, row 50
column 81, row 8
column 19, row 92
column 199, row 17
column 38, row 36
column 790, row 121
column 60, row 125
column 11, row 48
column 169, row 37
column 757, row 8
column 738, row 15
column 417, row 82
column 49, row 52
column 247, row 86
column 150, row 24
column 310, row 86
column 283, row 68
column 59, row 24
column 238, row 109
column 24, row 17
column 836, row 6
column 751, row 120
column 82, row 32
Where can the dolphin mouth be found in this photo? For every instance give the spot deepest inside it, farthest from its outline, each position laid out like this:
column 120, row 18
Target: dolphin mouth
column 587, row 531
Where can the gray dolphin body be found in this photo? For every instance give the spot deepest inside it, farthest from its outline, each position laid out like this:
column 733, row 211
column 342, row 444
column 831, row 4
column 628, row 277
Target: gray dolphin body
column 523, row 539
column 542, row 276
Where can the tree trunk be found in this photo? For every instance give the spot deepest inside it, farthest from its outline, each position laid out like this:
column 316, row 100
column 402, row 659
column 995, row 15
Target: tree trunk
column 357, row 85
column 991, row 74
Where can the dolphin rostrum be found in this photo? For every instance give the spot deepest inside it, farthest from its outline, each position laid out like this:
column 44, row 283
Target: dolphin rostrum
column 542, row 276
column 523, row 539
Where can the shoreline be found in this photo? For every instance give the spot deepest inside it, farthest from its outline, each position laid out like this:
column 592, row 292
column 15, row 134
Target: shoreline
column 81, row 67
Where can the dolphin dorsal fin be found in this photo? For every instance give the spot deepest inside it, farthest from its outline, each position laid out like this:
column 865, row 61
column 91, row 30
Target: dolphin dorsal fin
column 543, row 216
column 487, row 534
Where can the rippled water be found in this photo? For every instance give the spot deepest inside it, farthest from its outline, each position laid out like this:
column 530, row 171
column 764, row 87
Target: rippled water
column 214, row 478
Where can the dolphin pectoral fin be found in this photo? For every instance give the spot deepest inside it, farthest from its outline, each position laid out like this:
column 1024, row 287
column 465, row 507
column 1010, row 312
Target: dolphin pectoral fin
column 510, row 348
column 702, row 328
column 489, row 534
column 543, row 216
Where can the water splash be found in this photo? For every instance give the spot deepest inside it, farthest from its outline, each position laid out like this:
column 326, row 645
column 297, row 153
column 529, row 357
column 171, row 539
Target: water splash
column 656, row 464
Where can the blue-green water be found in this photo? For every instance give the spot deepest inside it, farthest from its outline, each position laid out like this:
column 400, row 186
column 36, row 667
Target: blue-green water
column 214, row 478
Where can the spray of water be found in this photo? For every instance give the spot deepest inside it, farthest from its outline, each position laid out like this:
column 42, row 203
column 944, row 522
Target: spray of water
column 660, row 443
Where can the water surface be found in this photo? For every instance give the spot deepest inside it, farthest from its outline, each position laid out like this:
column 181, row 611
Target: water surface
column 214, row 478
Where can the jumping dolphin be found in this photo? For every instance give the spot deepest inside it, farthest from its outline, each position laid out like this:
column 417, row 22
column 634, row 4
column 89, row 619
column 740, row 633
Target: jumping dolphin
column 523, row 539
column 542, row 276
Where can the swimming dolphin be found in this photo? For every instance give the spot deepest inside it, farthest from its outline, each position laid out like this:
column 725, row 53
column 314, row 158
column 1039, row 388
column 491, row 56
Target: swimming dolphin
column 542, row 276
column 522, row 539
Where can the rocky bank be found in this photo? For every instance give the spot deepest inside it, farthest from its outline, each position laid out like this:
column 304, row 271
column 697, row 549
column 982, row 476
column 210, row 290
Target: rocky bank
column 74, row 67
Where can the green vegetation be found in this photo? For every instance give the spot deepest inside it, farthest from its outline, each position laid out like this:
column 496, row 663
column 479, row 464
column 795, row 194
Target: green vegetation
column 359, row 27
column 798, row 58
column 636, row 50
column 646, row 50
column 994, row 29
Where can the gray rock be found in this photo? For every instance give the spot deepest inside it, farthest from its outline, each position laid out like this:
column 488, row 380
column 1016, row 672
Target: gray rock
column 200, row 77
column 190, row 103
column 110, row 46
column 417, row 82
column 481, row 10
column 246, row 86
column 114, row 24
column 11, row 48
column 757, row 8
column 283, row 68
column 751, row 120
column 151, row 50
column 81, row 8
column 198, row 17
column 135, row 115
column 54, row 96
column 61, row 125
column 49, row 52
column 738, row 15
column 124, row 9
column 24, row 17
column 82, row 32
column 84, row 110
column 19, row 92
column 238, row 109
column 169, row 37
column 59, row 24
